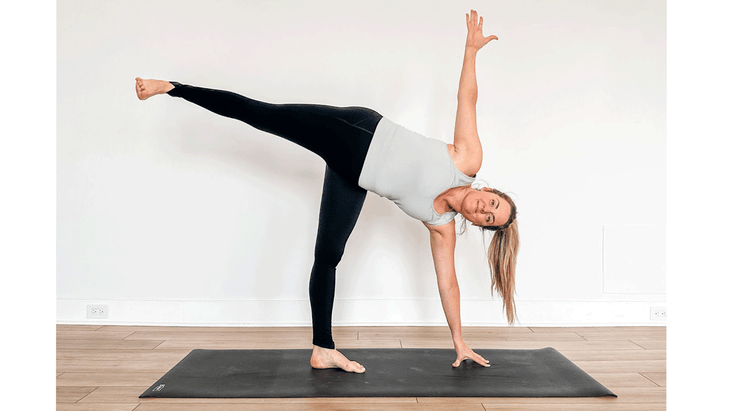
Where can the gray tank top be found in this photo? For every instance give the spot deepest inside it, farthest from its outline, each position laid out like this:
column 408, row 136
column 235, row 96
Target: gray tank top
column 411, row 170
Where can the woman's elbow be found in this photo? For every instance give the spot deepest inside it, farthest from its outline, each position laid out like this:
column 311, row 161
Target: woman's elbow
column 467, row 98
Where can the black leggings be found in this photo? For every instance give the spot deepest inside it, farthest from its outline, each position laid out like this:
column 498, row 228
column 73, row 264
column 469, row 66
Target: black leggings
column 341, row 137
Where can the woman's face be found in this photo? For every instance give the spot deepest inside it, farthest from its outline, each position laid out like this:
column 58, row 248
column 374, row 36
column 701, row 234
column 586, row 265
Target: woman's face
column 485, row 208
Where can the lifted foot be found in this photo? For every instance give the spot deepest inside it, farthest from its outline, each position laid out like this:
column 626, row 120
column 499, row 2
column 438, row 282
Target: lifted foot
column 148, row 88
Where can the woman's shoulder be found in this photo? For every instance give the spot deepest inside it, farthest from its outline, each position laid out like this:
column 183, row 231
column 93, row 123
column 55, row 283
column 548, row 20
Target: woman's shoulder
column 469, row 165
column 442, row 229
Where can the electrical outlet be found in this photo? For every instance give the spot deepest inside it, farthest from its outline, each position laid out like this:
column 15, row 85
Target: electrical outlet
column 658, row 313
column 97, row 311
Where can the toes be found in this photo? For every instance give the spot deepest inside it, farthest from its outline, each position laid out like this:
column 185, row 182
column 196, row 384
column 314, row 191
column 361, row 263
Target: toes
column 355, row 366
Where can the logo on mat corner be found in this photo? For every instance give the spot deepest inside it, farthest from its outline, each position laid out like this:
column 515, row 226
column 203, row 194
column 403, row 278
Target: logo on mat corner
column 159, row 387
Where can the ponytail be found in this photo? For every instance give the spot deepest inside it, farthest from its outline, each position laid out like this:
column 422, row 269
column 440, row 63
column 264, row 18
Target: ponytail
column 502, row 256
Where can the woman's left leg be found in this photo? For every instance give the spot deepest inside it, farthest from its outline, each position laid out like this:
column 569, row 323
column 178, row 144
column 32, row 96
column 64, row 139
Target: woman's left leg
column 339, row 209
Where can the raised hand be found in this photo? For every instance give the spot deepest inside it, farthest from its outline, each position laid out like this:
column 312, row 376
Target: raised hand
column 474, row 37
column 463, row 353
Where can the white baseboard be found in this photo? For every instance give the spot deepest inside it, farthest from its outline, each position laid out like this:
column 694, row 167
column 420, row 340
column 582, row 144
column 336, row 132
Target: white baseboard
column 358, row 312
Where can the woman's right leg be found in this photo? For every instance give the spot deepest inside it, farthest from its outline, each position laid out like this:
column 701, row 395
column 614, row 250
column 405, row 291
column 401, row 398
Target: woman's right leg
column 339, row 135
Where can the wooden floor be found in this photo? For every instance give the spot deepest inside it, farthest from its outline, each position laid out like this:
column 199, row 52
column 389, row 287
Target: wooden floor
column 108, row 367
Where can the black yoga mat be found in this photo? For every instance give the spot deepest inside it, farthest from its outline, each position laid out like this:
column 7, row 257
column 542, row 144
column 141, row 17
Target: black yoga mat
column 399, row 372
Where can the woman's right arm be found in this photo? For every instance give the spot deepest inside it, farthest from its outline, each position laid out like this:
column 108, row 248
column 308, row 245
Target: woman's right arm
column 467, row 146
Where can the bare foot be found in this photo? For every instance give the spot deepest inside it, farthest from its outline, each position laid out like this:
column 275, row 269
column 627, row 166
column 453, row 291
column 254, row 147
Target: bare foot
column 325, row 358
column 148, row 88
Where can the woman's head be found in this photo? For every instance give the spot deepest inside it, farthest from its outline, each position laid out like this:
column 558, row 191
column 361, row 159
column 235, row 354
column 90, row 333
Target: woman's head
column 492, row 210
column 488, row 208
column 512, row 211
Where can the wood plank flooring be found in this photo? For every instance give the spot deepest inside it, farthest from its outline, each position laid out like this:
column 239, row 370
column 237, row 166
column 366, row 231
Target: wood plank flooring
column 108, row 367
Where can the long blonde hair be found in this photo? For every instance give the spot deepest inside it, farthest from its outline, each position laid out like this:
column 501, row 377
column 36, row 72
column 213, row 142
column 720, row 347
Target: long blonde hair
column 502, row 257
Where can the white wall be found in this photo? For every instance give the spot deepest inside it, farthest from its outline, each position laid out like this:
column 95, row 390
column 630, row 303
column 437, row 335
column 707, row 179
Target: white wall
column 173, row 215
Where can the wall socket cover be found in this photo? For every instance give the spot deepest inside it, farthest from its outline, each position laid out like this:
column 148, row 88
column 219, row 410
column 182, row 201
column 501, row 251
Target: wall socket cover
column 658, row 313
column 97, row 311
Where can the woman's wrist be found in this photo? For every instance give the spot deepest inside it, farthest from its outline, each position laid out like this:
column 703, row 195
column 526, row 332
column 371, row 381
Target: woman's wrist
column 471, row 49
column 457, row 340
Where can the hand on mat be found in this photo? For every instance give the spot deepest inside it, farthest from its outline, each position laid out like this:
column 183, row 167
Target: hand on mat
column 463, row 353
column 474, row 37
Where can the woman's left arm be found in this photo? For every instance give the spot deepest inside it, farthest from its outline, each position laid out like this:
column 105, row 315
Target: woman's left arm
column 443, row 243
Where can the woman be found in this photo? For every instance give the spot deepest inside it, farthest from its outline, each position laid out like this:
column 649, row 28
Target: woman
column 364, row 151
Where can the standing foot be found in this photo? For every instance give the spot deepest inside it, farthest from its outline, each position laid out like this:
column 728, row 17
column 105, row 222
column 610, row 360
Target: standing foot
column 326, row 358
column 148, row 88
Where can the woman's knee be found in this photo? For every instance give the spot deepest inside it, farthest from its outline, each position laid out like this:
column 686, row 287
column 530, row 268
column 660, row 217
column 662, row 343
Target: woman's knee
column 328, row 254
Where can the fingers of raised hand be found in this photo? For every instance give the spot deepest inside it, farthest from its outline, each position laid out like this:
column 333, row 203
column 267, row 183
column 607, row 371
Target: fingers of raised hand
column 471, row 19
